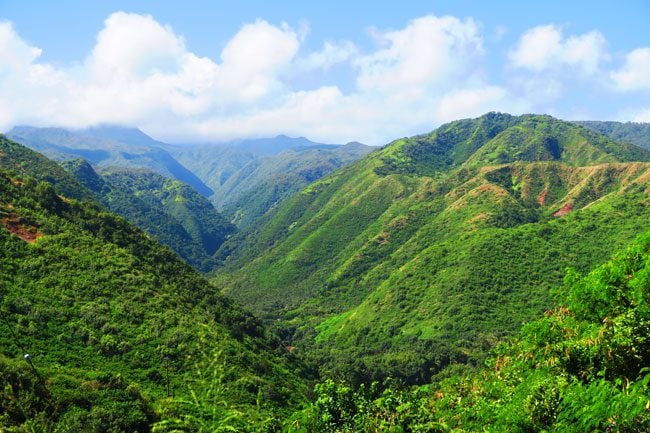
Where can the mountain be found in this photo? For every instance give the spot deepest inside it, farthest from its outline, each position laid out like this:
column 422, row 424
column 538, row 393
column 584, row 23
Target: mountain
column 429, row 251
column 107, row 146
column 169, row 210
column 19, row 160
column 243, row 178
column 104, row 329
column 629, row 132
column 251, row 177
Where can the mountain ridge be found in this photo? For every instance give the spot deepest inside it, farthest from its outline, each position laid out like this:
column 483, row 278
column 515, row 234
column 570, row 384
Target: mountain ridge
column 418, row 247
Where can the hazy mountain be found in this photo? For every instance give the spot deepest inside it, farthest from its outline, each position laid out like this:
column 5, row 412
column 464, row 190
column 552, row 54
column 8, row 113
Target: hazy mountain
column 243, row 178
column 628, row 132
column 251, row 177
column 102, row 146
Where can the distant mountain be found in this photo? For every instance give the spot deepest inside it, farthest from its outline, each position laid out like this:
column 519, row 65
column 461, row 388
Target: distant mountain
column 103, row 146
column 103, row 329
column 430, row 250
column 251, row 177
column 275, row 145
column 243, row 178
column 628, row 132
column 169, row 210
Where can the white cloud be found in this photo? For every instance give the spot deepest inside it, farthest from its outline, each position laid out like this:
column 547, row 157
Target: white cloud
column 427, row 54
column 635, row 73
column 134, row 46
column 141, row 73
column 545, row 48
column 330, row 55
column 470, row 103
column 252, row 60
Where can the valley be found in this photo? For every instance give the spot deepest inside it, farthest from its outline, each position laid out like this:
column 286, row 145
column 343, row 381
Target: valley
column 430, row 271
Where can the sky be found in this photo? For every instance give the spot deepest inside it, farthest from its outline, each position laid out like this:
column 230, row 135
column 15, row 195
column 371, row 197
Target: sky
column 334, row 72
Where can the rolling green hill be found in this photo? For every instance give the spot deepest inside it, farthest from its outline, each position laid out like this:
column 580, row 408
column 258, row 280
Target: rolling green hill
column 431, row 250
column 109, row 317
column 169, row 210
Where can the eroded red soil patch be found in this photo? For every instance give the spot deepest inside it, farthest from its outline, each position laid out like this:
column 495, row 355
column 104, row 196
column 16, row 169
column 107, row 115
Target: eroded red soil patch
column 567, row 208
column 15, row 225
column 542, row 197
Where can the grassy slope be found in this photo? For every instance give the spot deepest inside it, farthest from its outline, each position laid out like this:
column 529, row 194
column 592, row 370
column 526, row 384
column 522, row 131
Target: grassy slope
column 398, row 256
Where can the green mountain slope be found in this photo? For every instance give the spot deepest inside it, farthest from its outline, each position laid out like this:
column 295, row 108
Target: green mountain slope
column 107, row 315
column 581, row 367
column 629, row 132
column 420, row 255
column 254, row 176
column 20, row 160
column 169, row 210
column 107, row 147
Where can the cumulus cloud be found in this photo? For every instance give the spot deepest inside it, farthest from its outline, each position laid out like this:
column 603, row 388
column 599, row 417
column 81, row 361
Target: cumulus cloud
column 141, row 73
column 331, row 54
column 635, row 73
column 545, row 48
column 427, row 54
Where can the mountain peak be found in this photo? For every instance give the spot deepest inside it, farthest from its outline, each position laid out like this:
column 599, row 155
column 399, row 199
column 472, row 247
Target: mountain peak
column 120, row 133
column 499, row 138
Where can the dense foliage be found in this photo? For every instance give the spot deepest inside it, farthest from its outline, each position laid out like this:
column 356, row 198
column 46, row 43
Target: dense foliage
column 169, row 210
column 107, row 315
column 583, row 367
column 370, row 269
column 398, row 282
column 253, row 177
column 630, row 132
column 108, row 147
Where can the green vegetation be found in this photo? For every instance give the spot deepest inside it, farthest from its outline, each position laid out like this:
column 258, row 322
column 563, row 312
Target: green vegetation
column 582, row 367
column 399, row 283
column 169, row 210
column 250, row 179
column 108, row 146
column 370, row 270
column 105, row 312
column 628, row 132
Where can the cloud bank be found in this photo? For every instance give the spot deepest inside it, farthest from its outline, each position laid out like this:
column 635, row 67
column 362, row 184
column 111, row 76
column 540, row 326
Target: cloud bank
column 140, row 73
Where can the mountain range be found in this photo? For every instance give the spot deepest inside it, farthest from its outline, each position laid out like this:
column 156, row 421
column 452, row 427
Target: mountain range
column 434, row 284
column 243, row 179
column 429, row 251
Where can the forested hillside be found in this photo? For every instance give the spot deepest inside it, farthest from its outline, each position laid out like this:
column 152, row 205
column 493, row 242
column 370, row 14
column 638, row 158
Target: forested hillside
column 629, row 132
column 581, row 367
column 103, row 329
column 430, row 251
column 169, row 210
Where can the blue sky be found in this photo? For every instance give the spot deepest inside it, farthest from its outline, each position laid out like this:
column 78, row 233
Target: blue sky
column 198, row 71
